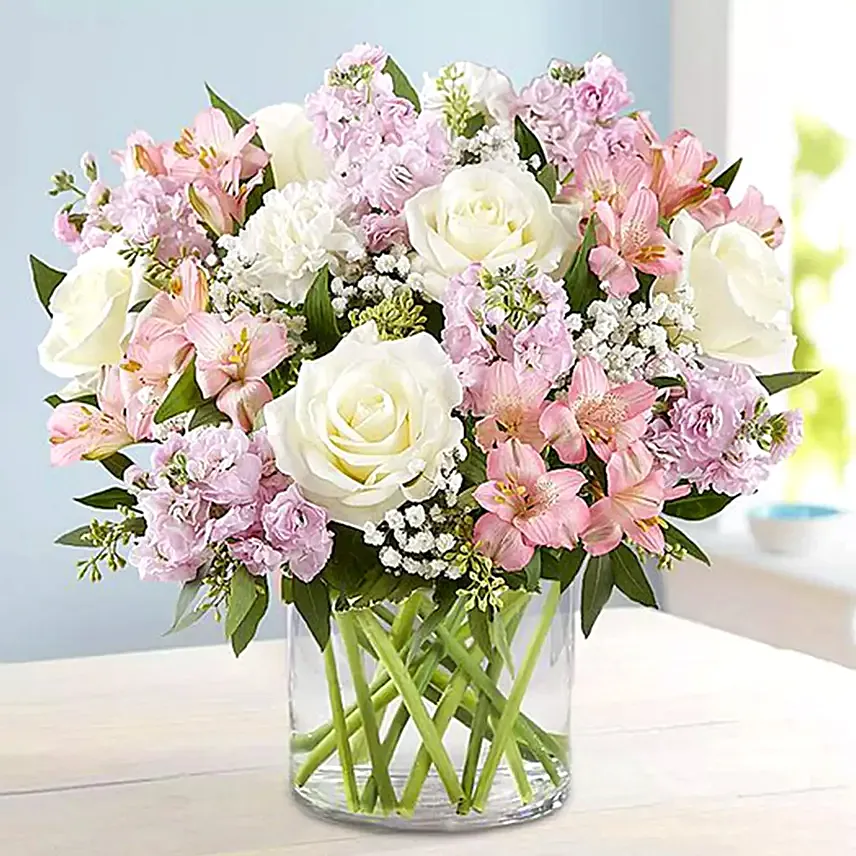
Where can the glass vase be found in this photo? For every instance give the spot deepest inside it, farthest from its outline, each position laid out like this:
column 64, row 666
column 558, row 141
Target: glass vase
column 409, row 721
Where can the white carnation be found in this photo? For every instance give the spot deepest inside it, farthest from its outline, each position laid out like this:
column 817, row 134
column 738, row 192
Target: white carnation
column 288, row 240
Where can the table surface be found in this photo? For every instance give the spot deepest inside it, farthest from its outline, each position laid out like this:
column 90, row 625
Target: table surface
column 687, row 741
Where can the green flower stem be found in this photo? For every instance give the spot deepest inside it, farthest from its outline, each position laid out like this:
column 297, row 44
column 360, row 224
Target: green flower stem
column 422, row 763
column 494, row 670
column 348, row 630
column 539, row 742
column 345, row 760
column 505, row 727
column 325, row 747
column 518, row 771
column 411, row 696
column 397, row 726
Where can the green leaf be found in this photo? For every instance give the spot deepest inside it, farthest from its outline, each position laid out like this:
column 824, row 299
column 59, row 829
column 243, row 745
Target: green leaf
column 629, row 576
column 140, row 305
column 312, row 601
column 582, row 286
column 528, row 143
column 55, row 400
column 242, row 595
column 597, row 587
column 480, row 629
column 246, row 630
column 116, row 464
column 187, row 620
column 499, row 639
column 697, row 506
column 207, row 414
column 237, row 121
column 185, row 395
column 533, row 571
column 426, row 629
column 45, row 279
column 562, row 565
column 774, row 383
column 186, row 598
column 548, row 177
column 286, row 589
column 726, row 178
column 75, row 538
column 677, row 538
column 474, row 466
column 473, row 125
column 321, row 324
column 401, row 86
column 665, row 382
column 111, row 497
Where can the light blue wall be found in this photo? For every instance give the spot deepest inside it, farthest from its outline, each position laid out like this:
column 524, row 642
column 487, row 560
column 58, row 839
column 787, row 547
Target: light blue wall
column 80, row 75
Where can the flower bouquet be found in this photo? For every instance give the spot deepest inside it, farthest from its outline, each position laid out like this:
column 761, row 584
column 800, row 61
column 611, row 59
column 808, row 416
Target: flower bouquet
column 413, row 364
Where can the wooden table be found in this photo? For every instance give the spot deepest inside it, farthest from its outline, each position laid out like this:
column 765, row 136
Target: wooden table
column 687, row 741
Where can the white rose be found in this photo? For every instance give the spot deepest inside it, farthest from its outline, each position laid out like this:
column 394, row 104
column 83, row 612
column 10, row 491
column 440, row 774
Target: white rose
column 286, row 135
column 288, row 240
column 741, row 300
column 90, row 313
column 367, row 426
column 490, row 212
column 476, row 87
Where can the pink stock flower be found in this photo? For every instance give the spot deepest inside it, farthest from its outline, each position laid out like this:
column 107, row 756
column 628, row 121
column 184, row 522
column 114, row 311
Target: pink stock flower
column 544, row 347
column 66, row 232
column 527, row 506
column 382, row 231
column 232, row 358
column 632, row 505
column 633, row 240
column 602, row 92
column 298, row 529
column 750, row 212
column 511, row 404
column 601, row 179
column 609, row 417
column 679, row 165
column 396, row 173
column 258, row 557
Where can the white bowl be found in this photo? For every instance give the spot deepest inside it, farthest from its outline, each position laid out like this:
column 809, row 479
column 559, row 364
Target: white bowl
column 797, row 529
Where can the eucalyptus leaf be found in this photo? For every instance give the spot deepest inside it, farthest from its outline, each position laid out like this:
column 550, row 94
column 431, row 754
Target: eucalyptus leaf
column 312, row 601
column 75, row 538
column 242, row 595
column 597, row 587
column 726, row 178
column 187, row 620
column 676, row 537
column 185, row 395
column 401, row 85
column 629, row 576
column 321, row 325
column 111, row 497
column 774, row 383
column 186, row 598
column 46, row 280
column 246, row 630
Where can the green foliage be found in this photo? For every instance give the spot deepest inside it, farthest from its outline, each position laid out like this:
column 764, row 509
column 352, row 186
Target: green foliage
column 528, row 144
column 480, row 629
column 548, row 178
column 401, row 86
column 581, row 284
column 207, row 414
column 187, row 597
column 185, row 395
column 46, row 280
column 562, row 565
column 116, row 464
column 312, row 601
column 473, row 125
column 726, row 178
column 680, row 544
column 697, row 506
column 246, row 630
column 397, row 316
column 242, row 595
column 321, row 325
column 110, row 537
column 111, row 497
column 532, row 571
column 784, row 380
column 474, row 466
column 597, row 587
column 629, row 576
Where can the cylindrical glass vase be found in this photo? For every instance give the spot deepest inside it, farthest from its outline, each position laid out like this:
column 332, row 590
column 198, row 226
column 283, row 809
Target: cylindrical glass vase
column 414, row 721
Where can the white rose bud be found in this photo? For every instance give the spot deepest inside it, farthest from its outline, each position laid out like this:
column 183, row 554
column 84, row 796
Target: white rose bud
column 359, row 416
column 286, row 135
column 741, row 300
column 492, row 213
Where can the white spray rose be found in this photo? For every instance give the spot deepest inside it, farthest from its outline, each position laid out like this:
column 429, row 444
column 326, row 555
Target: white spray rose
column 286, row 135
column 741, row 300
column 288, row 240
column 90, row 312
column 490, row 212
column 368, row 425
column 469, row 88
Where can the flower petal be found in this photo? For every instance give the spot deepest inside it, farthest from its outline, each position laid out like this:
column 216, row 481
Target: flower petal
column 513, row 460
column 588, row 380
column 637, row 396
column 501, row 542
column 560, row 427
column 628, row 467
column 603, row 533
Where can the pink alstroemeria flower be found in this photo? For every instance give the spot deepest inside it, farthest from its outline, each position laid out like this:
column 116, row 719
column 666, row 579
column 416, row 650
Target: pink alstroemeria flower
column 751, row 212
column 632, row 240
column 632, row 506
column 610, row 417
column 79, row 431
column 511, row 403
column 679, row 166
column 527, row 506
column 613, row 180
column 232, row 358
